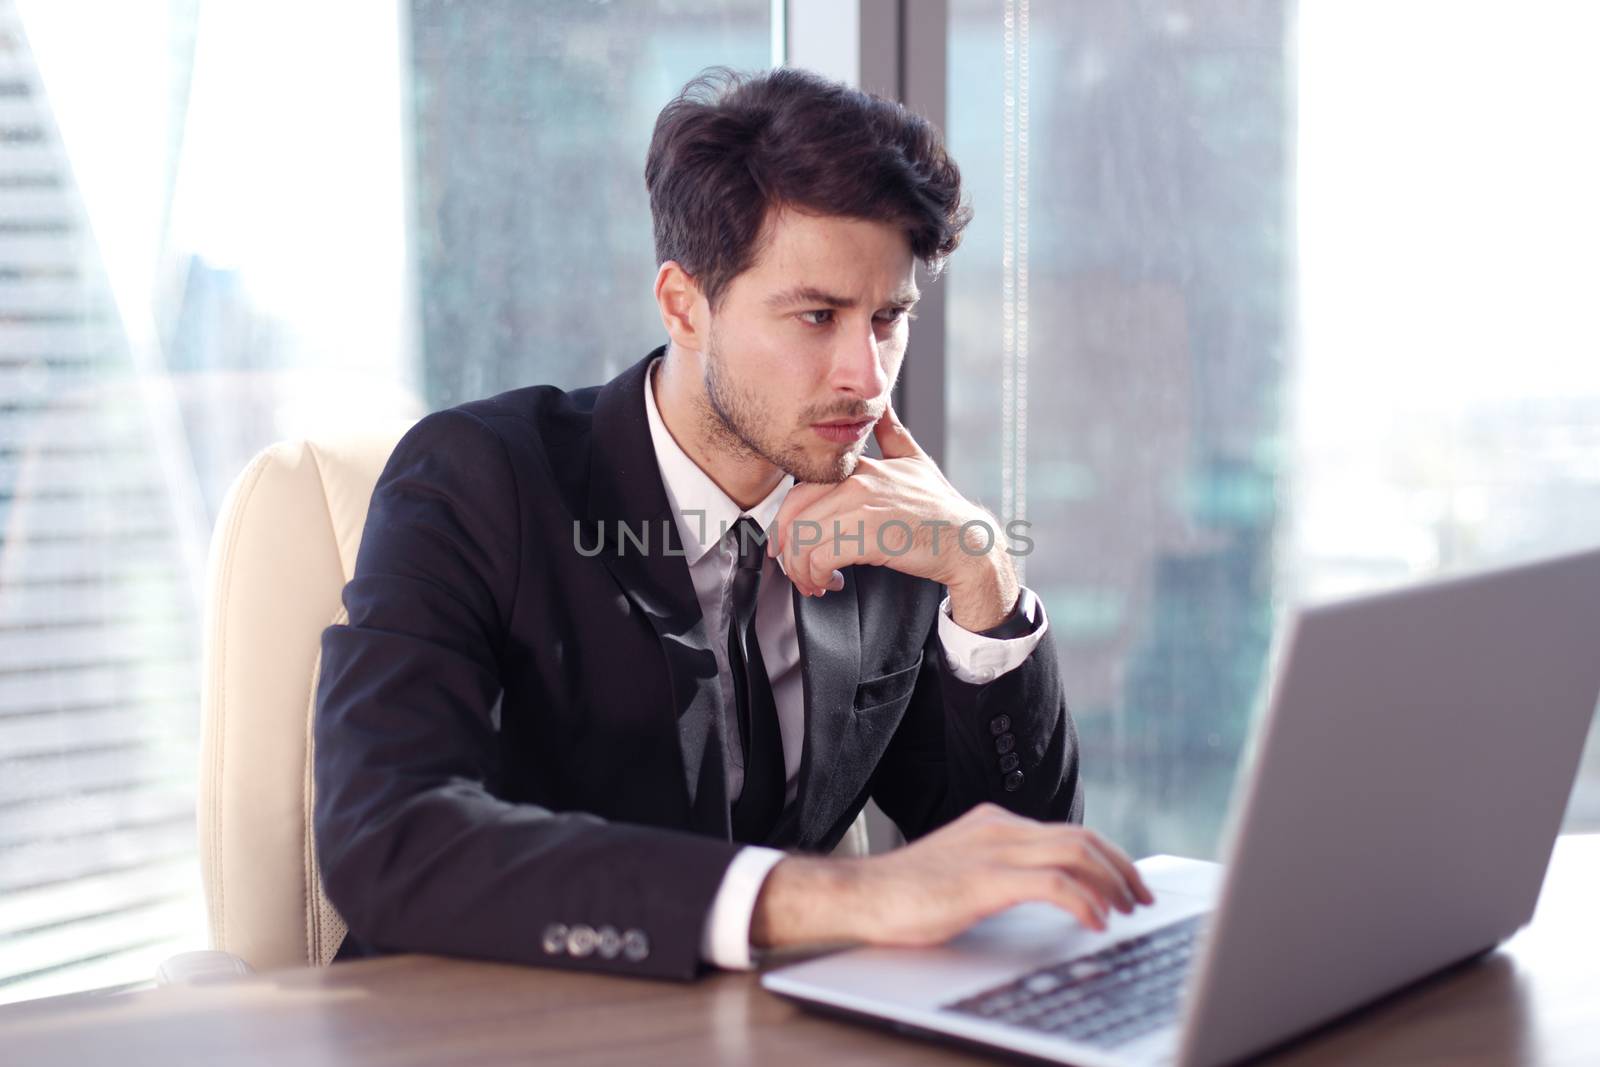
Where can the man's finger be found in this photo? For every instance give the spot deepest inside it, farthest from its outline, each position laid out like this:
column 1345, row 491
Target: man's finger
column 1082, row 861
column 1130, row 873
column 797, row 499
column 1109, row 877
column 1090, row 859
column 803, row 527
column 894, row 440
column 817, row 565
column 1067, row 893
column 823, row 565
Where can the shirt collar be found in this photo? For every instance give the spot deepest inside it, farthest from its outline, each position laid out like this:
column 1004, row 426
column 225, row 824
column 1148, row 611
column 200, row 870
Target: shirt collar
column 702, row 511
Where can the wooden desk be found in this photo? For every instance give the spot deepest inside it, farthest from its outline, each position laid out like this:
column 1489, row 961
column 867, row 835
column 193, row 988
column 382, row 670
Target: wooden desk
column 1536, row 1001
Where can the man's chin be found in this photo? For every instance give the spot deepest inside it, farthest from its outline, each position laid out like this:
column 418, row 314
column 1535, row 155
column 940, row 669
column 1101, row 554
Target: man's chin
column 824, row 466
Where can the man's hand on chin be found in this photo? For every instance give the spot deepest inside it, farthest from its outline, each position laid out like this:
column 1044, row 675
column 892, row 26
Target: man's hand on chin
column 931, row 890
column 902, row 513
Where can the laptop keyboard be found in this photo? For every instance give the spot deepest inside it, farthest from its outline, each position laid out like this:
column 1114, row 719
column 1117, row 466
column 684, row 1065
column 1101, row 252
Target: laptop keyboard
column 1106, row 999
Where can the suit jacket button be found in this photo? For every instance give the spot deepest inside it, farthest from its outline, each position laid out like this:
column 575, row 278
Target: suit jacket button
column 635, row 946
column 581, row 941
column 609, row 943
column 1005, row 743
column 999, row 724
column 1009, row 762
column 1013, row 781
column 554, row 941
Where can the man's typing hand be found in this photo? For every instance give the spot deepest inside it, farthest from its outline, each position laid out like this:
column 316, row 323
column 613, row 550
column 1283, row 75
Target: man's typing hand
column 931, row 890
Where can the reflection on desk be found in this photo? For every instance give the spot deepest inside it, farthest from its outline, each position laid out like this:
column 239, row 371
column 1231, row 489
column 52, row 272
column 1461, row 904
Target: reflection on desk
column 1535, row 1001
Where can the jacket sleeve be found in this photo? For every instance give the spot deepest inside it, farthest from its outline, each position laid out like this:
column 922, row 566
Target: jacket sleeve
column 953, row 748
column 416, row 851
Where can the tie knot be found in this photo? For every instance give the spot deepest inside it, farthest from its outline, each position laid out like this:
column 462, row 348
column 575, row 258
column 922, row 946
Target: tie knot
column 749, row 543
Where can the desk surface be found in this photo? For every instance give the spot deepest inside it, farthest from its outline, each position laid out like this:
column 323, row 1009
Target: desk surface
column 1535, row 1001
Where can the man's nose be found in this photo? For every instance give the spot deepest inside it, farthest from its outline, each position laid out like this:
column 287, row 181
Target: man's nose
column 858, row 363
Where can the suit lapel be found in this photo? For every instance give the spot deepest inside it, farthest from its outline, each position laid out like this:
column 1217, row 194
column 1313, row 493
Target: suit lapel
column 625, row 486
column 829, row 629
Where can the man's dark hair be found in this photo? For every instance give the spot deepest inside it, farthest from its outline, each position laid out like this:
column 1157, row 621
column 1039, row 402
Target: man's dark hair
column 731, row 146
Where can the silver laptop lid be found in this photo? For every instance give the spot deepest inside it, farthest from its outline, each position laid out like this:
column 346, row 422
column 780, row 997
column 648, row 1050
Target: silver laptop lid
column 1404, row 794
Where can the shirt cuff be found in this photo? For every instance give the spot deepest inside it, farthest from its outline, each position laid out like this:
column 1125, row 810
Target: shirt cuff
column 725, row 942
column 978, row 660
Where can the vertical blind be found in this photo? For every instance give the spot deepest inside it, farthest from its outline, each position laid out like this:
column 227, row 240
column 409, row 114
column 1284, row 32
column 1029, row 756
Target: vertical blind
column 98, row 679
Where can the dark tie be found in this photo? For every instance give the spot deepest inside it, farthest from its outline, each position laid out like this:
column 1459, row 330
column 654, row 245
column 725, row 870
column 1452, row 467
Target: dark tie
column 761, row 799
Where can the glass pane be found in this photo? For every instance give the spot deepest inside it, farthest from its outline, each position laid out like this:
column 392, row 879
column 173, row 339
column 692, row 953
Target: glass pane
column 100, row 545
column 434, row 201
column 1236, row 325
column 533, row 227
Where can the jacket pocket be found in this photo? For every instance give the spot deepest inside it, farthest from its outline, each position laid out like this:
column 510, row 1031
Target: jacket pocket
column 888, row 688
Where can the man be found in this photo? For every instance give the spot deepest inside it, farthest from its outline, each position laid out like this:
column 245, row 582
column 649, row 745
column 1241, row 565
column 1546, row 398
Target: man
column 602, row 690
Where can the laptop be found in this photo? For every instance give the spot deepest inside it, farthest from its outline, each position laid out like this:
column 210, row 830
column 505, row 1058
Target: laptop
column 1403, row 793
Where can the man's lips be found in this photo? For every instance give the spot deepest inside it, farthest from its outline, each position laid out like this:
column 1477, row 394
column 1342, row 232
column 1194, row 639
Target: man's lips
column 842, row 431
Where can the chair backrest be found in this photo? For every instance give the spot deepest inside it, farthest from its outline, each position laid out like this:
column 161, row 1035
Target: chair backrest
column 284, row 547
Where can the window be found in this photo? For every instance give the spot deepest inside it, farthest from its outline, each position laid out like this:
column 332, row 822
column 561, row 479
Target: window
column 1231, row 328
column 290, row 216
column 1234, row 327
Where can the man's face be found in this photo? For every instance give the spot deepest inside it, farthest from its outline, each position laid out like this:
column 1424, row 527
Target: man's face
column 807, row 343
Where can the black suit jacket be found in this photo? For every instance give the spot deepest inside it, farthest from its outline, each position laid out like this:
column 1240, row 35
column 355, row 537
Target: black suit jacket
column 519, row 729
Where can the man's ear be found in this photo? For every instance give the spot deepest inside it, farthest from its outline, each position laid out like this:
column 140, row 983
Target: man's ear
column 683, row 309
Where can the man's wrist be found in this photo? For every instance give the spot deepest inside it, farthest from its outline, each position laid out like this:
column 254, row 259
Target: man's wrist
column 808, row 900
column 1019, row 623
column 725, row 941
column 980, row 658
column 986, row 594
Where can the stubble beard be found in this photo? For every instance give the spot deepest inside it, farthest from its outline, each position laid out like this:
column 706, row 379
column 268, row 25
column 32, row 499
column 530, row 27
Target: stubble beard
column 737, row 421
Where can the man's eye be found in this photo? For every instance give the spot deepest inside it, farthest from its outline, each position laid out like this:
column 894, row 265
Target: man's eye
column 895, row 315
column 826, row 312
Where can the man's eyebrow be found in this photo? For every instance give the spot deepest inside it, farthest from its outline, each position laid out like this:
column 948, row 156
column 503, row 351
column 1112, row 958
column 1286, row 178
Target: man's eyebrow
column 805, row 294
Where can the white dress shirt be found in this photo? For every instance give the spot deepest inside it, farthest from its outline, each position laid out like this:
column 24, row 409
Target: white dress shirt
column 704, row 514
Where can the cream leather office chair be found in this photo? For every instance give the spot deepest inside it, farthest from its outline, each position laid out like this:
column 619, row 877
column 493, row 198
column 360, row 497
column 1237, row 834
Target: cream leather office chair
column 284, row 546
